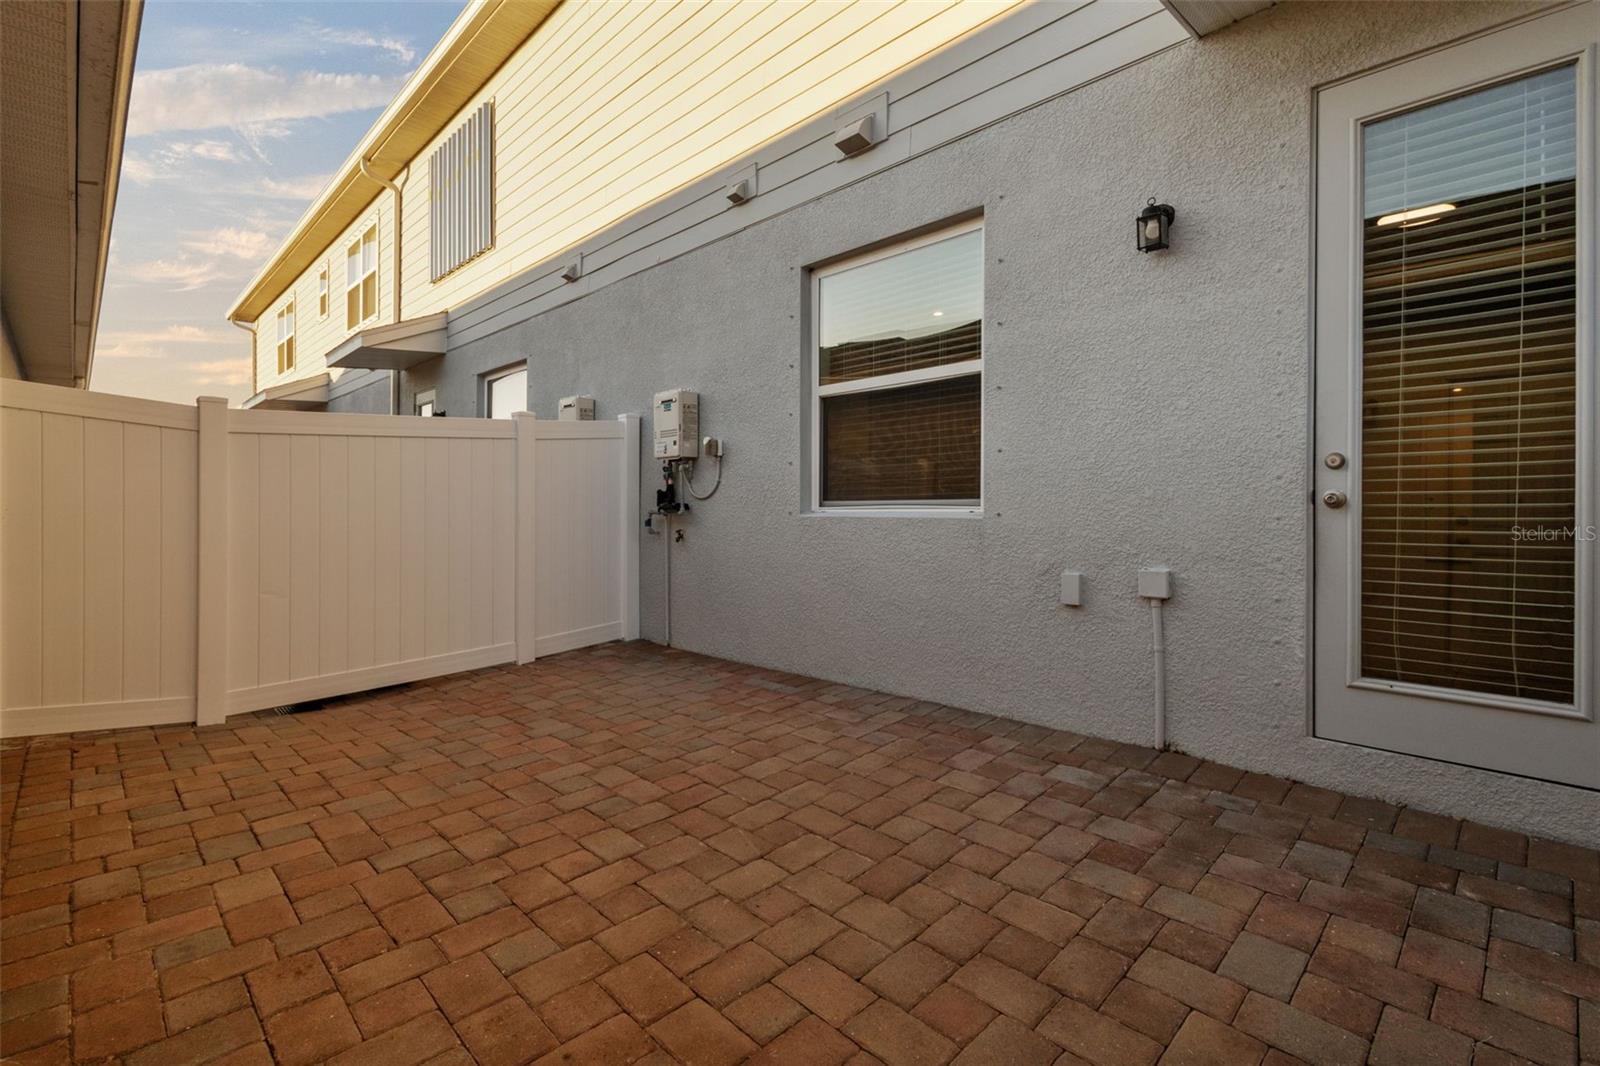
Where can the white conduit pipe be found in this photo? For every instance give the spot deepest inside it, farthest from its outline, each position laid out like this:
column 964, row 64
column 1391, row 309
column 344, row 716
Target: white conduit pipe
column 1159, row 646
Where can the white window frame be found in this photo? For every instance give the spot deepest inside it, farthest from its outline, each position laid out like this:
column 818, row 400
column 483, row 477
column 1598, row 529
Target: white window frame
column 286, row 330
column 490, row 378
column 359, row 244
column 818, row 391
column 324, row 290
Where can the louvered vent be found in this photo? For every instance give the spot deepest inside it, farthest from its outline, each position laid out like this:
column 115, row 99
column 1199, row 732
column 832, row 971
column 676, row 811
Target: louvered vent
column 461, row 194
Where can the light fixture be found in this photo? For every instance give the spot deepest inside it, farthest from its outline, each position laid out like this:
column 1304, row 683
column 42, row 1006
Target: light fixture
column 1416, row 215
column 1154, row 225
column 938, row 314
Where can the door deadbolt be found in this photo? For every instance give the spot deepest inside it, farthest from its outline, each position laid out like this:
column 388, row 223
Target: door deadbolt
column 1334, row 461
column 1334, row 500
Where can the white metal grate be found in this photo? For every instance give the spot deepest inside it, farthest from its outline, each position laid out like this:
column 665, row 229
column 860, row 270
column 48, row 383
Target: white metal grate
column 461, row 194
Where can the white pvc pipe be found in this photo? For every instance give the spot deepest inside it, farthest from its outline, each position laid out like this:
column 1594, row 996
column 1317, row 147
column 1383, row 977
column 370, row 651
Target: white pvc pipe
column 1158, row 645
column 666, row 535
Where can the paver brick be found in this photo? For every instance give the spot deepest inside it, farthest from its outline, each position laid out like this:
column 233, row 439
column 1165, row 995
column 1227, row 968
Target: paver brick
column 1292, row 1030
column 1406, row 1040
column 595, row 861
column 1204, row 1041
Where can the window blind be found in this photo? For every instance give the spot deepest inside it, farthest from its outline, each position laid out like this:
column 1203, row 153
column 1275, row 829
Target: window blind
column 1469, row 361
column 922, row 307
column 918, row 443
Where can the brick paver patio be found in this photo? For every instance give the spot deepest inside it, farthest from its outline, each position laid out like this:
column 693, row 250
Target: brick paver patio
column 634, row 854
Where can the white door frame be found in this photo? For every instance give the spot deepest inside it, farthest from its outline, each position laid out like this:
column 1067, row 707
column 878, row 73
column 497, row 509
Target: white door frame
column 1527, row 737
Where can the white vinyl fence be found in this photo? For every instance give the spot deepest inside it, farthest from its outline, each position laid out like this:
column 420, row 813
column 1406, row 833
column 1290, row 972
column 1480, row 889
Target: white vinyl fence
column 162, row 563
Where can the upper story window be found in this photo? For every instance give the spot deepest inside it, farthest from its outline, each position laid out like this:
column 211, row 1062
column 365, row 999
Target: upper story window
column 286, row 337
column 898, row 376
column 461, row 194
column 361, row 278
column 322, row 291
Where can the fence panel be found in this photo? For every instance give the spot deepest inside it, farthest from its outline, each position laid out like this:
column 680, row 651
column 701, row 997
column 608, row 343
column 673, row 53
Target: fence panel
column 323, row 551
column 580, row 579
column 97, row 560
column 166, row 564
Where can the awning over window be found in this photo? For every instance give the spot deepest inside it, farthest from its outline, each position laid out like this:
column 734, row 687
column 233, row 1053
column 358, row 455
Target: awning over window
column 306, row 394
column 395, row 346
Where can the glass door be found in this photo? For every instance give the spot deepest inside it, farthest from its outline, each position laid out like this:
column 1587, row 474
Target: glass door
column 1455, row 375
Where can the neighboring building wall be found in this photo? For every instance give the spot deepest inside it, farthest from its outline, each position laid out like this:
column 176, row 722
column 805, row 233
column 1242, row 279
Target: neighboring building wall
column 10, row 366
column 1139, row 410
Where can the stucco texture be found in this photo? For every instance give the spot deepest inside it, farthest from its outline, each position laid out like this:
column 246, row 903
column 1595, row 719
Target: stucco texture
column 1139, row 410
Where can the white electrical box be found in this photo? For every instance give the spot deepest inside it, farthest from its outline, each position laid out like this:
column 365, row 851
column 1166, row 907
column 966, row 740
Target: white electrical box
column 677, row 424
column 1155, row 583
column 577, row 409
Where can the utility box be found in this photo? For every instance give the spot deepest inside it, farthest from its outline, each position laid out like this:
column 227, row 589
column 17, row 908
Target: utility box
column 576, row 409
column 677, row 424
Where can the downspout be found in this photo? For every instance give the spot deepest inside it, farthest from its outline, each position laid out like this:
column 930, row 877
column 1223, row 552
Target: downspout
column 399, row 229
column 253, row 357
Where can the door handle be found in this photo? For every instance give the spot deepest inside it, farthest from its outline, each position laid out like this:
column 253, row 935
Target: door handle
column 1334, row 499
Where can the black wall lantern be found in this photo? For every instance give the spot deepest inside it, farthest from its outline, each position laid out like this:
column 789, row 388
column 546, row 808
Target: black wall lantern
column 1155, row 225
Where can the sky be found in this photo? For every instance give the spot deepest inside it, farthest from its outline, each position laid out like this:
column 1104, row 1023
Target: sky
column 239, row 115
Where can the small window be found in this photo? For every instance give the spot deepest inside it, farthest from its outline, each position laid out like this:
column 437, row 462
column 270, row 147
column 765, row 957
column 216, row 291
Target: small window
column 286, row 338
column 898, row 375
column 361, row 278
column 461, row 194
column 424, row 404
column 505, row 392
column 322, row 291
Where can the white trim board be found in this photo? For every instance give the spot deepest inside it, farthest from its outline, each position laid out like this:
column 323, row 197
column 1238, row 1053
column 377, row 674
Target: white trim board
column 87, row 717
column 315, row 688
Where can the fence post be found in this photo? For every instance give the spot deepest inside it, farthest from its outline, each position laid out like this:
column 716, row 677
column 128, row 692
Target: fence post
column 629, row 568
column 211, row 651
column 527, row 514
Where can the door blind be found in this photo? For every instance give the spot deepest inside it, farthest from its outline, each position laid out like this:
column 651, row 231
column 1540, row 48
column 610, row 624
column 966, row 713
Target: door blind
column 1469, row 361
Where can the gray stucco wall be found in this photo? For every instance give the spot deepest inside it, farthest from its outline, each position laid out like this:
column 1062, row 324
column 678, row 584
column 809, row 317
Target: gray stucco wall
column 363, row 392
column 1139, row 410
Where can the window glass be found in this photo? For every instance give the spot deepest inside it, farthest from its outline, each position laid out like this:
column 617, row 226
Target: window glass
column 1468, row 389
column 895, row 446
column 915, row 309
column 899, row 372
column 508, row 394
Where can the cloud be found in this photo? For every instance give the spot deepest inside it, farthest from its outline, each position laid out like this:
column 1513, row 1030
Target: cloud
column 182, row 274
column 158, row 343
column 224, row 254
column 215, row 151
column 215, row 372
column 174, row 158
column 396, row 47
column 222, row 95
column 232, row 242
column 302, row 188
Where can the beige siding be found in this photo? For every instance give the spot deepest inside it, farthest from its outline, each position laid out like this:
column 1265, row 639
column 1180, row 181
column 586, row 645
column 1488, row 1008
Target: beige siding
column 609, row 107
column 315, row 334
